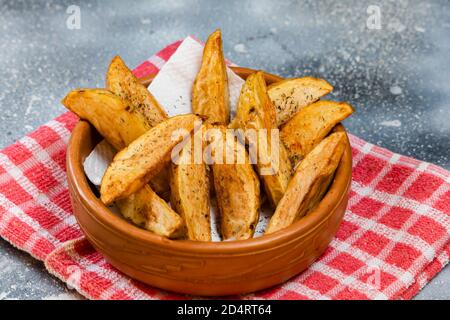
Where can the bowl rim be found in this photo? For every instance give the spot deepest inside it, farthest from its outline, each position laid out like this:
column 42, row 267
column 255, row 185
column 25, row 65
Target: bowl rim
column 337, row 192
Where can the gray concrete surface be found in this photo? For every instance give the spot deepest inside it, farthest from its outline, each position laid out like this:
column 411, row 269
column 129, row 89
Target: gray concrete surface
column 398, row 78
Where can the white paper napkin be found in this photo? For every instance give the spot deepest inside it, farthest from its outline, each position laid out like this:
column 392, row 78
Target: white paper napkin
column 172, row 87
column 98, row 161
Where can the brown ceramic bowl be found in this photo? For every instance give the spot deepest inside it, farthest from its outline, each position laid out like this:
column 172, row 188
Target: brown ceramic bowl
column 199, row 268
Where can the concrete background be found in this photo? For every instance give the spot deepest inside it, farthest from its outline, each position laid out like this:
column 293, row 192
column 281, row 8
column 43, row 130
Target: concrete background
column 398, row 78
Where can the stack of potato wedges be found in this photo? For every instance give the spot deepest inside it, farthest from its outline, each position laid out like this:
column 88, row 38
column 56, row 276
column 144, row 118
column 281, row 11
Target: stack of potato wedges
column 160, row 182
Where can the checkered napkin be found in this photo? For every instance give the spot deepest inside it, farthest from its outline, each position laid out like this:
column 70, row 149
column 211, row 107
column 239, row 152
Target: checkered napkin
column 394, row 237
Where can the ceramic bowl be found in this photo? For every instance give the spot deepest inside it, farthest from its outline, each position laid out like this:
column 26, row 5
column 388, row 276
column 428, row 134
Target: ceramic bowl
column 200, row 268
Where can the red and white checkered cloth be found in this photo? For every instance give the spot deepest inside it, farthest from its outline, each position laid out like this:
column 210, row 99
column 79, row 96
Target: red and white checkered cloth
column 393, row 240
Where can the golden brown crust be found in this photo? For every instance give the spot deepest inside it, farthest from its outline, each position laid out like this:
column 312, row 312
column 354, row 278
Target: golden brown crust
column 237, row 190
column 255, row 111
column 189, row 185
column 121, row 81
column 131, row 119
column 117, row 121
column 290, row 95
column 146, row 209
column 210, row 97
column 160, row 183
column 311, row 124
column 309, row 182
column 114, row 118
column 138, row 163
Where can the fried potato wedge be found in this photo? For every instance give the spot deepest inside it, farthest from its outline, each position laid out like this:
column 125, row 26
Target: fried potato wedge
column 236, row 187
column 119, row 124
column 138, row 163
column 309, row 182
column 210, row 97
column 122, row 82
column 310, row 125
column 147, row 210
column 160, row 183
column 256, row 111
column 114, row 118
column 290, row 95
column 189, row 186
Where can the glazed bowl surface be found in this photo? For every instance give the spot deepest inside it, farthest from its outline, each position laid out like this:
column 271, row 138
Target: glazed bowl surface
column 203, row 268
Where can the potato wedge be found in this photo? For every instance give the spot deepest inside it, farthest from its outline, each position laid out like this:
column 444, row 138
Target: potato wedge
column 237, row 189
column 210, row 97
column 146, row 209
column 160, row 183
column 290, row 95
column 138, row 163
column 256, row 111
column 310, row 125
column 119, row 124
column 121, row 81
column 114, row 118
column 309, row 183
column 189, row 186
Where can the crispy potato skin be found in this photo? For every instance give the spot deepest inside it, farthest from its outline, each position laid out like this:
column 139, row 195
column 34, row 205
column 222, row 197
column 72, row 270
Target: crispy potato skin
column 310, row 125
column 210, row 97
column 290, row 95
column 121, row 81
column 237, row 190
column 189, row 185
column 309, row 183
column 256, row 111
column 114, row 118
column 146, row 209
column 138, row 163
column 117, row 121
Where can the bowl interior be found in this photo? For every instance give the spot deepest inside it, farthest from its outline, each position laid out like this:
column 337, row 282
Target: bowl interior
column 83, row 140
